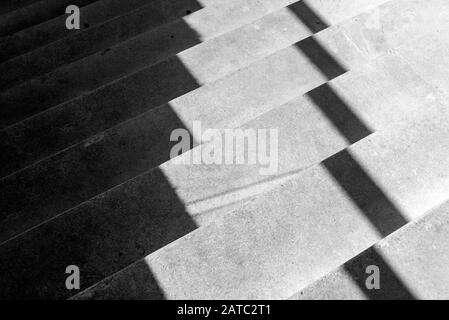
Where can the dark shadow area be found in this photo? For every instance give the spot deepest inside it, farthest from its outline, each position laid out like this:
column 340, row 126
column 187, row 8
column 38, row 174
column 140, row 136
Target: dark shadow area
column 41, row 136
column 92, row 40
column 101, row 204
column 11, row 5
column 147, row 58
column 333, row 106
column 310, row 18
column 391, row 286
column 316, row 53
column 67, row 179
column 319, row 56
column 134, row 283
column 92, row 14
column 339, row 113
column 365, row 193
column 101, row 237
column 19, row 15
column 355, row 181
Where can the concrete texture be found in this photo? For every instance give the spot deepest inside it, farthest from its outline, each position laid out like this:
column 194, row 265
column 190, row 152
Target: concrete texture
column 93, row 14
column 413, row 265
column 352, row 86
column 79, row 45
column 215, row 18
column 23, row 14
column 191, row 182
column 111, row 158
column 174, row 79
column 241, row 255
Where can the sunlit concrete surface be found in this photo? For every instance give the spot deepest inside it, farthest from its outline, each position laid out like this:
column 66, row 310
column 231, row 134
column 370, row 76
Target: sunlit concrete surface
column 413, row 264
column 357, row 91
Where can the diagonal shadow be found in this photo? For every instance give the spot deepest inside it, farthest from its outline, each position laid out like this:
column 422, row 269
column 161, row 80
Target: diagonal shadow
column 391, row 286
column 365, row 193
column 101, row 204
column 309, row 17
column 71, row 123
column 22, row 14
column 143, row 58
column 339, row 113
column 101, row 237
column 321, row 58
column 74, row 176
column 93, row 13
column 346, row 171
column 133, row 283
column 92, row 40
column 342, row 166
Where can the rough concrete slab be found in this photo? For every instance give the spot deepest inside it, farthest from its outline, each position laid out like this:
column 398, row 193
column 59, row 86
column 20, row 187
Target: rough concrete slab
column 69, row 123
column 242, row 255
column 95, row 165
column 122, row 212
column 412, row 263
column 222, row 55
column 100, row 237
column 44, row 33
column 22, row 15
column 381, row 95
column 394, row 22
column 216, row 18
column 206, row 62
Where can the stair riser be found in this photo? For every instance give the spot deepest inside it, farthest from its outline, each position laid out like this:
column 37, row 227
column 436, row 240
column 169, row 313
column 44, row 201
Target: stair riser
column 219, row 57
column 80, row 45
column 412, row 265
column 240, row 253
column 107, row 212
column 42, row 34
column 63, row 181
column 35, row 13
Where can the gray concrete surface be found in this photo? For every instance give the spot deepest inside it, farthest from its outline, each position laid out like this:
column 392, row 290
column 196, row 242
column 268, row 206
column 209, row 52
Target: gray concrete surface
column 412, row 262
column 92, row 14
column 360, row 107
column 242, row 254
column 93, row 167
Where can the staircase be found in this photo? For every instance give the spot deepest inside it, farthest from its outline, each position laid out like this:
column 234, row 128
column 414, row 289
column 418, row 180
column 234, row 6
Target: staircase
column 357, row 90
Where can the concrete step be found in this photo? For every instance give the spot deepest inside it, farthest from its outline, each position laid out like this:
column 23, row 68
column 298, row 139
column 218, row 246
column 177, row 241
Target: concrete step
column 265, row 249
column 78, row 119
column 311, row 128
column 82, row 44
column 103, row 161
column 88, row 74
column 61, row 182
column 136, row 218
column 49, row 31
column 11, row 5
column 24, row 14
column 105, row 66
column 91, row 167
column 412, row 264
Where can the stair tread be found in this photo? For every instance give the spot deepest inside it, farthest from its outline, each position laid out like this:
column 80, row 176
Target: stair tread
column 95, row 165
column 362, row 154
column 412, row 264
column 105, row 213
column 49, row 31
column 244, row 251
column 79, row 45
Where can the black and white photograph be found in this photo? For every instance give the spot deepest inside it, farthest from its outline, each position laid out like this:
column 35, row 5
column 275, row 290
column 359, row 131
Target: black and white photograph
column 225, row 156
